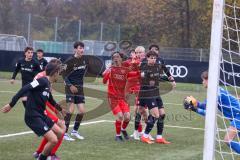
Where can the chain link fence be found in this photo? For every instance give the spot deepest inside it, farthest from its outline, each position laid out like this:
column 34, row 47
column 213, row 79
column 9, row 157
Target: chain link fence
column 56, row 35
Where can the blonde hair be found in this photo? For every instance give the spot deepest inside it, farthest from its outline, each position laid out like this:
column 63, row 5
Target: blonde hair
column 140, row 49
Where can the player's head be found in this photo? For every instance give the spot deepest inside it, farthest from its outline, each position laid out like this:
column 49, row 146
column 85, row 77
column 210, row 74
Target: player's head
column 204, row 77
column 154, row 48
column 132, row 53
column 40, row 53
column 52, row 70
column 56, row 61
column 117, row 58
column 151, row 57
column 140, row 52
column 78, row 48
column 28, row 52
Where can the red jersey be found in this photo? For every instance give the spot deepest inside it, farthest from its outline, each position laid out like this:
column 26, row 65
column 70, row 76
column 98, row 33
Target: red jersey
column 133, row 82
column 40, row 74
column 117, row 79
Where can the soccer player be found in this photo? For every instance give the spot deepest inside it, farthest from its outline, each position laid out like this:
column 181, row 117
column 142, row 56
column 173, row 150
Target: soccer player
column 161, row 62
column 227, row 104
column 41, row 60
column 28, row 67
column 51, row 112
column 73, row 75
column 149, row 96
column 35, row 118
column 117, row 76
column 133, row 86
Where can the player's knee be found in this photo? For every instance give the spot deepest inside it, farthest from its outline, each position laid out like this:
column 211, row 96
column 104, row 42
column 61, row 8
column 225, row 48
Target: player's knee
column 127, row 117
column 53, row 140
column 120, row 116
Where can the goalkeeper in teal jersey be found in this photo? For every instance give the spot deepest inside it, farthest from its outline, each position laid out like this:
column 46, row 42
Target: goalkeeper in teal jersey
column 227, row 104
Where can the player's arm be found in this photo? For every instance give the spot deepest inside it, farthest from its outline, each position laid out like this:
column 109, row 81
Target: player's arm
column 34, row 84
column 45, row 62
column 16, row 70
column 106, row 75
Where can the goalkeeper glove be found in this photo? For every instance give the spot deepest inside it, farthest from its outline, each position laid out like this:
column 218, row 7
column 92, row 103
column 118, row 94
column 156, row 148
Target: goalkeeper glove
column 191, row 100
column 188, row 105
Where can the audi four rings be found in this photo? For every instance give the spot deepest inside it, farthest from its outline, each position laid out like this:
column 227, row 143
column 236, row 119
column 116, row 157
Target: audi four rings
column 177, row 71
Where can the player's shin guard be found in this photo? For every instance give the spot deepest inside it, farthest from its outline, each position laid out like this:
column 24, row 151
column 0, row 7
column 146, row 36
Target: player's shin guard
column 78, row 121
column 24, row 103
column 137, row 121
column 160, row 124
column 54, row 150
column 235, row 146
column 67, row 119
column 42, row 145
column 150, row 123
column 124, row 125
column 118, row 127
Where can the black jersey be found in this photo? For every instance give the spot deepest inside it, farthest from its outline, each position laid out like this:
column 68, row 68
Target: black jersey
column 160, row 62
column 38, row 93
column 74, row 71
column 42, row 63
column 149, row 84
column 28, row 70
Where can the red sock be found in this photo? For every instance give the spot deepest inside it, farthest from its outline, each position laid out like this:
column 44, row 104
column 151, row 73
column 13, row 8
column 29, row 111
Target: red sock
column 118, row 127
column 125, row 124
column 54, row 150
column 140, row 127
column 42, row 145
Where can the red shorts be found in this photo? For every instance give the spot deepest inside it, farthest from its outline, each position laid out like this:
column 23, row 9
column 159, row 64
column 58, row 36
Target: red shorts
column 51, row 112
column 118, row 105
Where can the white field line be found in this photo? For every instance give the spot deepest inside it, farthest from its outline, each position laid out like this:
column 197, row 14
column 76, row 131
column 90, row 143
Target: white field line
column 30, row 132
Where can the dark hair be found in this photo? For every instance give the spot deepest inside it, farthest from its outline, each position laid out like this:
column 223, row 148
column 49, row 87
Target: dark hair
column 153, row 45
column 151, row 53
column 52, row 68
column 40, row 50
column 204, row 75
column 78, row 43
column 28, row 48
column 117, row 52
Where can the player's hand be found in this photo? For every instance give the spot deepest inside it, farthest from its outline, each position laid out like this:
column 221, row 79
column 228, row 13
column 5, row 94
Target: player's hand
column 12, row 81
column 174, row 84
column 6, row 108
column 191, row 100
column 73, row 89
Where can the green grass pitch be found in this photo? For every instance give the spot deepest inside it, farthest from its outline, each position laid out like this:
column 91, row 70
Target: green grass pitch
column 182, row 128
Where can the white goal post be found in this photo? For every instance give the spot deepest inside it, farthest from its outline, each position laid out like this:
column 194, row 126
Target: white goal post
column 213, row 79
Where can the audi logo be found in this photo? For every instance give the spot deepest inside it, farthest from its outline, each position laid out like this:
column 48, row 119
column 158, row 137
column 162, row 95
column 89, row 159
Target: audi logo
column 177, row 71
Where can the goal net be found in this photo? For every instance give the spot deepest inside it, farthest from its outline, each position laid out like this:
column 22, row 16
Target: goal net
column 221, row 140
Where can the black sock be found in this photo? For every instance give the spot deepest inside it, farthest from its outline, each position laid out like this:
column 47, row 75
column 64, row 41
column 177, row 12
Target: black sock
column 42, row 157
column 150, row 123
column 78, row 121
column 137, row 121
column 160, row 124
column 67, row 119
column 24, row 103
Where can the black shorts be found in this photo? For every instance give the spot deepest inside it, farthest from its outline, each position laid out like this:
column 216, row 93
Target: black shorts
column 151, row 102
column 76, row 98
column 39, row 124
